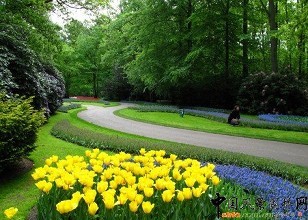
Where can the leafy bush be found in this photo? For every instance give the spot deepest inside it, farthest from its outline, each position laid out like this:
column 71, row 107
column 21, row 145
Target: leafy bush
column 282, row 92
column 66, row 131
column 66, row 108
column 22, row 72
column 19, row 123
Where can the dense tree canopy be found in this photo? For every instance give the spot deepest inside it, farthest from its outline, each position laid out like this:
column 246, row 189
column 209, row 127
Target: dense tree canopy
column 189, row 52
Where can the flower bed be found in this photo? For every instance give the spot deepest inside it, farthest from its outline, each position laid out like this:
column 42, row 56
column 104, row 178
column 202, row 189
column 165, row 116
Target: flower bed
column 121, row 186
column 280, row 194
column 285, row 119
column 124, row 186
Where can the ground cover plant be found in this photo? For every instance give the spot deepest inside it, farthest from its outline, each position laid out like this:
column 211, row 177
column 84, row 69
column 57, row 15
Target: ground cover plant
column 280, row 194
column 68, row 106
column 208, row 125
column 150, row 185
column 286, row 119
column 89, row 135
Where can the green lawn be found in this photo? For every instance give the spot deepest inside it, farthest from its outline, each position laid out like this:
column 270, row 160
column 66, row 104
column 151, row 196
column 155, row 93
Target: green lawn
column 20, row 191
column 206, row 125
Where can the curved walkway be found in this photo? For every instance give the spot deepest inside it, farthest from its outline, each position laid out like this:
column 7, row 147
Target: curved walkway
column 286, row 152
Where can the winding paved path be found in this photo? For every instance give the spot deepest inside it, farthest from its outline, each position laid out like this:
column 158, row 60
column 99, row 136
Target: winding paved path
column 291, row 153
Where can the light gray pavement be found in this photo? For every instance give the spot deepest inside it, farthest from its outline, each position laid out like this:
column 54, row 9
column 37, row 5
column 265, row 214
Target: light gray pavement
column 286, row 152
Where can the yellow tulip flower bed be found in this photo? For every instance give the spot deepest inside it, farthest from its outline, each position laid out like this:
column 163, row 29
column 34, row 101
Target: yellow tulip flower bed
column 124, row 186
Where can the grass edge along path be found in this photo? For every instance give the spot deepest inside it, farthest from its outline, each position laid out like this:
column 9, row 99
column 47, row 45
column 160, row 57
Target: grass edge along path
column 90, row 135
column 206, row 125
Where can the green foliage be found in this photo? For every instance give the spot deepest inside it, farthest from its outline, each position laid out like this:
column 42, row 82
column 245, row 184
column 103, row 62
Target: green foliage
column 67, row 107
column 19, row 124
column 280, row 92
column 84, row 137
column 23, row 72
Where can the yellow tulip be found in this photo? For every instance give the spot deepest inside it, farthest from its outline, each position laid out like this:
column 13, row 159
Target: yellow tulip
column 39, row 173
column 88, row 153
column 77, row 196
column 176, row 175
column 197, row 192
column 160, row 184
column 190, row 182
column 142, row 151
column 102, row 186
column 173, row 157
column 131, row 194
column 66, row 206
column 147, row 207
column 89, row 196
column 186, row 174
column 48, row 162
column 204, row 186
column 131, row 180
column 47, row 187
column 187, row 193
column 92, row 209
column 113, row 184
column 201, row 179
column 59, row 183
column 122, row 198
column 167, row 195
column 170, row 185
column 148, row 192
column 133, row 206
column 180, row 196
column 10, row 212
column 211, row 166
column 215, row 180
column 54, row 158
column 108, row 200
column 98, row 168
column 139, row 198
column 44, row 186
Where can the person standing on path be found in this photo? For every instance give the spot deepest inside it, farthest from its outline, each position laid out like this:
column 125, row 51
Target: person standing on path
column 234, row 117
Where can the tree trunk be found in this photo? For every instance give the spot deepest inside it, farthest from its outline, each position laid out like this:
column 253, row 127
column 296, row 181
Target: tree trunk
column 94, row 84
column 273, row 28
column 227, row 53
column 189, row 26
column 245, row 40
column 301, row 49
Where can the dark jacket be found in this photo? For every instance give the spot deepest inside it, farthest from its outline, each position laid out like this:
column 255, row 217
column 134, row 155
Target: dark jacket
column 234, row 115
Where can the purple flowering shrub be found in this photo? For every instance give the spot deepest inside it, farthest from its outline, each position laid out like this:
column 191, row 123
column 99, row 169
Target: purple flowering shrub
column 282, row 197
column 275, row 92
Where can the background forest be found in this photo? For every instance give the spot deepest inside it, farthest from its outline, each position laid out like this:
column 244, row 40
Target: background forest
column 189, row 52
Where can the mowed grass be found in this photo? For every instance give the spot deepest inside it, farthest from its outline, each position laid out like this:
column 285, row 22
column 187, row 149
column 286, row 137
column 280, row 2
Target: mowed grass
column 206, row 125
column 20, row 191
